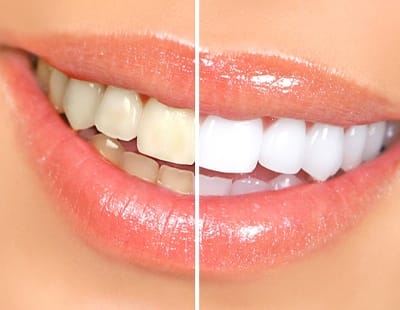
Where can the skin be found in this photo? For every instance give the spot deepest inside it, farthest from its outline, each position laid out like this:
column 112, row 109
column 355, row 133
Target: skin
column 45, row 264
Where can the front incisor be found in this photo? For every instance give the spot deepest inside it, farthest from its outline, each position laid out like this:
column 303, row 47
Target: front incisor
column 167, row 133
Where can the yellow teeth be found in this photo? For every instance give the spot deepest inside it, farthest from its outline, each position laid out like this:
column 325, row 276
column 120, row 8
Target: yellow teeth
column 140, row 166
column 109, row 148
column 43, row 72
column 178, row 180
column 57, row 84
column 167, row 133
column 81, row 100
column 119, row 113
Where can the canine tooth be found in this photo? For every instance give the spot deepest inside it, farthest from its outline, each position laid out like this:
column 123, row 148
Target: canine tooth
column 141, row 166
column 375, row 136
column 284, row 181
column 109, row 148
column 43, row 72
column 392, row 133
column 57, row 87
column 354, row 143
column 249, row 185
column 119, row 113
column 177, row 180
column 214, row 186
column 283, row 145
column 230, row 146
column 81, row 100
column 166, row 133
column 323, row 151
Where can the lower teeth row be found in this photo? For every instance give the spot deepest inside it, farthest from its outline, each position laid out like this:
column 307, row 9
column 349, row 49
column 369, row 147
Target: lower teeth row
column 179, row 131
column 143, row 167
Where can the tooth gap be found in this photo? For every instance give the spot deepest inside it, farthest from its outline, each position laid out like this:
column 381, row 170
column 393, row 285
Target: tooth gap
column 155, row 143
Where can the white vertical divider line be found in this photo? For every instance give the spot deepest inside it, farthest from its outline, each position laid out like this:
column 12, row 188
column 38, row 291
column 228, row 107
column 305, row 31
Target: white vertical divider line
column 196, row 163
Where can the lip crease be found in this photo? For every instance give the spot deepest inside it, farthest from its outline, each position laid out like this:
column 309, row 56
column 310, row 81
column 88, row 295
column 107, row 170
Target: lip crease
column 140, row 222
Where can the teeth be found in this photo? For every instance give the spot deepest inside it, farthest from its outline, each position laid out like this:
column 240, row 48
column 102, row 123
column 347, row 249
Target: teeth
column 167, row 133
column 81, row 100
column 57, row 84
column 227, row 146
column 375, row 137
column 283, row 145
column 43, row 72
column 354, row 144
column 284, row 181
column 214, row 186
column 230, row 146
column 177, row 180
column 324, row 151
column 392, row 133
column 249, row 185
column 109, row 148
column 140, row 166
column 118, row 113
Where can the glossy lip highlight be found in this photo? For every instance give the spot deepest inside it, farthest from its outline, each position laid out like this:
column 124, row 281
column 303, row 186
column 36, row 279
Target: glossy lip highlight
column 115, row 213
column 247, row 85
column 142, row 223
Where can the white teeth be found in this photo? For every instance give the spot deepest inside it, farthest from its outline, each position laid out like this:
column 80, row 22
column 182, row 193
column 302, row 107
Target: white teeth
column 214, row 186
column 324, row 151
column 177, row 180
column 107, row 147
column 140, row 166
column 376, row 134
column 230, row 146
column 354, row 144
column 283, row 145
column 57, row 84
column 248, row 185
column 284, row 181
column 167, row 133
column 81, row 100
column 118, row 113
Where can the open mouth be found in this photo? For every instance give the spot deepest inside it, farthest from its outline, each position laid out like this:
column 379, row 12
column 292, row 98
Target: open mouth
column 290, row 154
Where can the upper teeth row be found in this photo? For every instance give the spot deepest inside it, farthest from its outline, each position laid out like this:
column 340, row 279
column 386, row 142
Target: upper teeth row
column 163, row 132
column 167, row 133
column 286, row 146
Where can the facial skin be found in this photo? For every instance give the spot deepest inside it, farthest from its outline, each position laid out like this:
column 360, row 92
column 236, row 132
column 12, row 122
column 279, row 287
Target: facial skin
column 46, row 264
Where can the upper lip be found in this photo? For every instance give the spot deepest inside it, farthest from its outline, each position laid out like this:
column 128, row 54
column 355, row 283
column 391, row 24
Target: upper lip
column 256, row 230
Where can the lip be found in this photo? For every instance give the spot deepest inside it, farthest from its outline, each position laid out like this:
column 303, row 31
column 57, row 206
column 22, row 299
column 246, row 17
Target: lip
column 117, row 214
column 249, row 85
column 137, row 221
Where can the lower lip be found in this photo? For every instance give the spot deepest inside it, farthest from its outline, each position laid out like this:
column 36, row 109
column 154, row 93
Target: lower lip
column 146, row 225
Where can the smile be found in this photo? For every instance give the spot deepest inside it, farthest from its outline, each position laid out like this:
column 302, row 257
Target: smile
column 288, row 154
